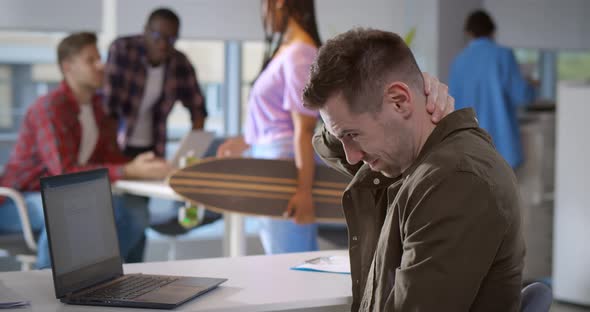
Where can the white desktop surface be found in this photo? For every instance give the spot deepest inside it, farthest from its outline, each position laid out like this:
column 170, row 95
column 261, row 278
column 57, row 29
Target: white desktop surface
column 148, row 188
column 255, row 283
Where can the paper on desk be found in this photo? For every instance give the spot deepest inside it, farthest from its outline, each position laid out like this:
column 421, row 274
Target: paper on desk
column 330, row 264
column 10, row 299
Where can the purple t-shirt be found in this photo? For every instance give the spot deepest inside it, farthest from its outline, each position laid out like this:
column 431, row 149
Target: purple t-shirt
column 277, row 92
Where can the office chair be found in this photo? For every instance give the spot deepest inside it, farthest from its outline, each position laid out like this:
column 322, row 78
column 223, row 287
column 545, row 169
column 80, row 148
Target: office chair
column 27, row 260
column 536, row 297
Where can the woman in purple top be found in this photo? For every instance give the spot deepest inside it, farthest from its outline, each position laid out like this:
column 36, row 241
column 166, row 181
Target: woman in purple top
column 278, row 126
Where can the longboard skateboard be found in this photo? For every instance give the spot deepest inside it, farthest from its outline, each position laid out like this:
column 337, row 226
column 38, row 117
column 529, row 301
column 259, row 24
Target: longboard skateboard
column 257, row 187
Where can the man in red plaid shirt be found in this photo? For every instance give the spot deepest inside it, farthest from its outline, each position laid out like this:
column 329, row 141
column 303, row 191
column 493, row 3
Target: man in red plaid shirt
column 146, row 75
column 67, row 131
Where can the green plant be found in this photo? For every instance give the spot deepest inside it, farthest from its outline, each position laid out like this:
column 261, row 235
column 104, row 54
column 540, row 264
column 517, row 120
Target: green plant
column 409, row 37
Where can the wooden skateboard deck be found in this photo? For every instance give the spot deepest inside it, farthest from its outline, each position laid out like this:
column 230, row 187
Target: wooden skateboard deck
column 257, row 187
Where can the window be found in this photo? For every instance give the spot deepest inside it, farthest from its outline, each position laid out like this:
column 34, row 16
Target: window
column 573, row 66
column 529, row 62
column 27, row 70
column 6, row 121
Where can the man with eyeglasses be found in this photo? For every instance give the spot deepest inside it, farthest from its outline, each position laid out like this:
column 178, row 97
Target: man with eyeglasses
column 145, row 76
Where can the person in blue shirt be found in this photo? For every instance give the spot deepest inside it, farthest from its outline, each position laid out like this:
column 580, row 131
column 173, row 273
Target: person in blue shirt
column 486, row 76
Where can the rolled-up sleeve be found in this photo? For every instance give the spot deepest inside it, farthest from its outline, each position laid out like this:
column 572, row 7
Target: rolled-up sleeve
column 189, row 90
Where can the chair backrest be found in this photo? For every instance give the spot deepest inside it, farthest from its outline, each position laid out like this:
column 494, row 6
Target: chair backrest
column 19, row 200
column 536, row 297
column 22, row 246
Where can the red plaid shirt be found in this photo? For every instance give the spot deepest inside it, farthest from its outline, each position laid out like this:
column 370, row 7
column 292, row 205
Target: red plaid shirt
column 49, row 141
column 125, row 82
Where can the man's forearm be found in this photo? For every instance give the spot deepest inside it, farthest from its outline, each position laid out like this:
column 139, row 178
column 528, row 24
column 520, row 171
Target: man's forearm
column 304, row 160
column 198, row 123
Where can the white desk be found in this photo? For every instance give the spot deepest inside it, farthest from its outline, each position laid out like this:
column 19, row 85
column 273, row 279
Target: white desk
column 146, row 188
column 234, row 239
column 256, row 283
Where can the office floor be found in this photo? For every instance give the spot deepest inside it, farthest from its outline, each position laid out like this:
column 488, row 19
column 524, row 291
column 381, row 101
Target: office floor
column 564, row 307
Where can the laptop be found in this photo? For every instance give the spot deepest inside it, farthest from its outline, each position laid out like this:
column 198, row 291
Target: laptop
column 196, row 143
column 86, row 262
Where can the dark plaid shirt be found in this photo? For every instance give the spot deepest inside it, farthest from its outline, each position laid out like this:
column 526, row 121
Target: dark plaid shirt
column 49, row 141
column 125, row 82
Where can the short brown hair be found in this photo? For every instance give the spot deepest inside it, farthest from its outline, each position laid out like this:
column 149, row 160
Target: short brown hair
column 357, row 64
column 72, row 44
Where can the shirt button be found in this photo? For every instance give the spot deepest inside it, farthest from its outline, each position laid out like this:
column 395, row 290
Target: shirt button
column 376, row 181
column 357, row 281
column 355, row 238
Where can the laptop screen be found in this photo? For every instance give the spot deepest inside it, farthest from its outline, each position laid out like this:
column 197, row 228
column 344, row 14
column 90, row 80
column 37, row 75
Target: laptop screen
column 81, row 229
column 196, row 142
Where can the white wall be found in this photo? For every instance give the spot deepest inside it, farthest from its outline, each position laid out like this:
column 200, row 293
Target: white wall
column 423, row 15
column 539, row 24
column 200, row 19
column 51, row 15
column 544, row 24
column 337, row 16
column 240, row 19
column 439, row 31
column 451, row 38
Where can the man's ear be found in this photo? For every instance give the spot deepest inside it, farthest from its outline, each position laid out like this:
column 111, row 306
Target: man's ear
column 66, row 65
column 398, row 96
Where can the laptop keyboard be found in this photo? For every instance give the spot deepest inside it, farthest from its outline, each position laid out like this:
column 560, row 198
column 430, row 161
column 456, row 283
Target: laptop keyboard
column 131, row 287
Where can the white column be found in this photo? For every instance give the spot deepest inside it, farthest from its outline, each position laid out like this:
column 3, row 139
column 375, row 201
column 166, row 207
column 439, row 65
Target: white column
column 234, row 242
column 109, row 25
column 571, row 251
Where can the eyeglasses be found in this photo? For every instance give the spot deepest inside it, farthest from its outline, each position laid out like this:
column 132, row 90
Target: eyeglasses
column 155, row 36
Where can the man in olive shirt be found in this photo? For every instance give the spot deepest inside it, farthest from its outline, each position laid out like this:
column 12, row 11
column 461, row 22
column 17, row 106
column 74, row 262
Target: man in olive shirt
column 432, row 210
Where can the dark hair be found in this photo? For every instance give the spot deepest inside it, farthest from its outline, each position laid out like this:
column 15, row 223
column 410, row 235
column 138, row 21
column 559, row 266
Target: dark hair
column 480, row 24
column 303, row 11
column 357, row 64
column 72, row 44
column 166, row 14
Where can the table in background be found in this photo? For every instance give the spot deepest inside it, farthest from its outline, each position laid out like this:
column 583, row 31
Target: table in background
column 234, row 232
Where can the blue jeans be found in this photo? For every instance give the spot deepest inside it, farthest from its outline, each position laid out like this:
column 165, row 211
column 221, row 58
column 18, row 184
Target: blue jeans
column 131, row 217
column 283, row 236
